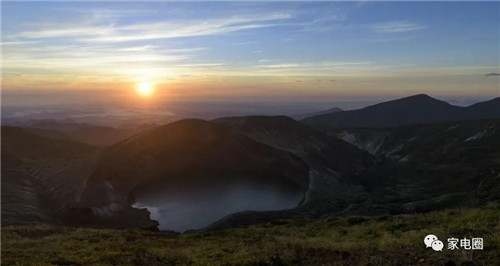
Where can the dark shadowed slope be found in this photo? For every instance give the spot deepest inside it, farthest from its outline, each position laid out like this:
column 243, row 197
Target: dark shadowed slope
column 49, row 133
column 24, row 145
column 484, row 110
column 41, row 176
column 456, row 162
column 288, row 134
column 189, row 152
column 418, row 168
column 323, row 112
column 98, row 136
column 336, row 167
column 410, row 110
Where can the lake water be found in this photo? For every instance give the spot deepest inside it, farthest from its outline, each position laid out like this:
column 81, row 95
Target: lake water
column 181, row 207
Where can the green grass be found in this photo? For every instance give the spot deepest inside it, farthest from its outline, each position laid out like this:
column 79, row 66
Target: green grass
column 379, row 240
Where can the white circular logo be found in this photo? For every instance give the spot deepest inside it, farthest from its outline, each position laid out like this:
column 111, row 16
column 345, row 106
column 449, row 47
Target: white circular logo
column 429, row 239
column 437, row 245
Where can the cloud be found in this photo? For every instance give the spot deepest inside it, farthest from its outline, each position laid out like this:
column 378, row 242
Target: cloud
column 323, row 24
column 314, row 65
column 325, row 68
column 138, row 48
column 188, row 50
column 396, row 27
column 17, row 43
column 110, row 33
column 320, row 28
column 492, row 74
column 107, row 13
column 152, row 47
column 194, row 30
column 202, row 65
column 81, row 62
column 282, row 65
column 66, row 32
column 107, row 61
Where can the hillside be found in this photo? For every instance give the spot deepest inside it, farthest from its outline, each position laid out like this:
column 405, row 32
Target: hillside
column 413, row 169
column 98, row 136
column 344, row 240
column 41, row 176
column 415, row 109
column 322, row 112
column 335, row 165
column 453, row 157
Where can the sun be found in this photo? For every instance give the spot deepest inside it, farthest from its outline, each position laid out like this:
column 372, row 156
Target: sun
column 145, row 89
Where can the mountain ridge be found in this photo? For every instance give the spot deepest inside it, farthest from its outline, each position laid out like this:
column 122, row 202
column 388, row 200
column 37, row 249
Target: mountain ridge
column 416, row 109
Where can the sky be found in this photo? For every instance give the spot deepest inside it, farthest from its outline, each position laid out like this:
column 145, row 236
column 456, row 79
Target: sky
column 249, row 51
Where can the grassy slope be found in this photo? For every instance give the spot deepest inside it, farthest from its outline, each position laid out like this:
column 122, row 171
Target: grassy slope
column 379, row 240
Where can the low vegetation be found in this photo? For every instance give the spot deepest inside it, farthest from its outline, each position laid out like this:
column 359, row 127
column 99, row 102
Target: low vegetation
column 378, row 240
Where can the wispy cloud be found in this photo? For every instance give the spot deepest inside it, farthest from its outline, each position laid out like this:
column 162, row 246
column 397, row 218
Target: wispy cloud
column 292, row 65
column 314, row 65
column 396, row 27
column 202, row 65
column 107, row 13
column 66, row 32
column 189, row 50
column 158, row 30
column 323, row 24
column 326, row 41
column 324, row 68
column 125, row 63
column 138, row 48
column 102, row 48
column 17, row 43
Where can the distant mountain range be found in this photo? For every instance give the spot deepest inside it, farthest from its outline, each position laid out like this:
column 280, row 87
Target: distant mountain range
column 417, row 109
column 323, row 112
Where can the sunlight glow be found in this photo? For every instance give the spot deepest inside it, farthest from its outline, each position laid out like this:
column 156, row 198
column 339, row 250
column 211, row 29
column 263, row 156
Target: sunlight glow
column 145, row 89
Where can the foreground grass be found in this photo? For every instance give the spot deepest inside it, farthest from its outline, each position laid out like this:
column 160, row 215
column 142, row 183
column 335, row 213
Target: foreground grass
column 380, row 240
